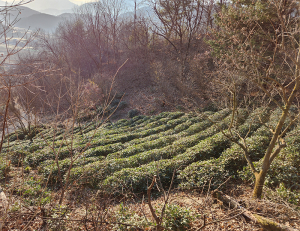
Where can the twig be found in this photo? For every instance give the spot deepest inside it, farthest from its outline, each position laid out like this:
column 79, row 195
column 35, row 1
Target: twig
column 168, row 195
column 157, row 220
column 5, row 118
column 225, row 219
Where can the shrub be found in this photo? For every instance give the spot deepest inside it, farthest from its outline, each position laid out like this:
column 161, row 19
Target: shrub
column 17, row 135
column 175, row 218
column 33, row 193
column 283, row 172
column 17, row 157
column 34, row 159
column 137, row 178
column 4, row 168
column 212, row 148
column 204, row 174
column 178, row 218
column 231, row 160
column 132, row 113
column 143, row 147
column 103, row 150
column 291, row 196
column 285, row 168
column 126, row 216
column 50, row 166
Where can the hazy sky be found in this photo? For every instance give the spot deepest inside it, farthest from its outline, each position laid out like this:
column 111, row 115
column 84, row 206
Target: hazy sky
column 40, row 4
column 79, row 2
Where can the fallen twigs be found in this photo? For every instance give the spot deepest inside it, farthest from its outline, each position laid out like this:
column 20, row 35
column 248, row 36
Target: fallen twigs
column 213, row 222
column 265, row 223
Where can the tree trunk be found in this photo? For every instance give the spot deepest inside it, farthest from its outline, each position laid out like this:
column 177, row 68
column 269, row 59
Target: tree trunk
column 259, row 184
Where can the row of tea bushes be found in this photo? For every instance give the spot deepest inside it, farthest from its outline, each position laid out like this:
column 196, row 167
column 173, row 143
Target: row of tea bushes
column 64, row 151
column 137, row 177
column 106, row 149
column 100, row 170
column 47, row 154
column 184, row 139
column 136, row 125
column 126, row 154
column 285, row 169
column 215, row 172
column 49, row 168
column 211, row 147
column 232, row 160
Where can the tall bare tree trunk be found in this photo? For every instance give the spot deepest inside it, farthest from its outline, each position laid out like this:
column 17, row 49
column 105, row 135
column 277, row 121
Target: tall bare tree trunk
column 259, row 183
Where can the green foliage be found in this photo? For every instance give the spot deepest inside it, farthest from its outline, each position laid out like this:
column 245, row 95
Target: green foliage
column 96, row 172
column 249, row 24
column 137, row 178
column 50, row 172
column 232, row 160
column 33, row 193
column 126, row 154
column 4, row 168
column 60, row 215
column 17, row 157
column 126, row 216
column 209, row 174
column 284, row 172
column 177, row 218
column 292, row 196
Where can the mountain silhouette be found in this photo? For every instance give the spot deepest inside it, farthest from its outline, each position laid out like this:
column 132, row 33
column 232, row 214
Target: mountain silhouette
column 49, row 18
column 56, row 12
column 46, row 22
column 22, row 12
column 42, row 5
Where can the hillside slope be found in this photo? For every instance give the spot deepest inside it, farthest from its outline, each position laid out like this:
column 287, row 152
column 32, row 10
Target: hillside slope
column 131, row 151
column 120, row 158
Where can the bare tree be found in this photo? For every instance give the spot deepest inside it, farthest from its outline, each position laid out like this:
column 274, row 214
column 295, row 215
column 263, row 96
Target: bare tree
column 182, row 24
column 88, row 39
column 11, row 43
column 258, row 49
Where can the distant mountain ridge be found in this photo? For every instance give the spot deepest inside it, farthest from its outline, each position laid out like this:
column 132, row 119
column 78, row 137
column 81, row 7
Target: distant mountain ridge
column 29, row 18
column 46, row 22
column 56, row 12
column 54, row 7
column 49, row 19
column 22, row 12
column 42, row 5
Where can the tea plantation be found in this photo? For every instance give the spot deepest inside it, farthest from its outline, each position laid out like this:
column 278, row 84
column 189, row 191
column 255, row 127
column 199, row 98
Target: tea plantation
column 126, row 154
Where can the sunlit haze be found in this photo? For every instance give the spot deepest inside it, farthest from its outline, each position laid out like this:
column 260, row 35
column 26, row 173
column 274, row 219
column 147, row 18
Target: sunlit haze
column 45, row 4
column 79, row 2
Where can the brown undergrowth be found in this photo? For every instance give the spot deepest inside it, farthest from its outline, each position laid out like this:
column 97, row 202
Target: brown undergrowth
column 87, row 209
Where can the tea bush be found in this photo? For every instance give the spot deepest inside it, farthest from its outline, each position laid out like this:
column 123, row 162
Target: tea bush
column 127, row 153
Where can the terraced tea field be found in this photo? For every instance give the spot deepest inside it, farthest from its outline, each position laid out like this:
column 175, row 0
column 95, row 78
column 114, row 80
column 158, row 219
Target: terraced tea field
column 126, row 154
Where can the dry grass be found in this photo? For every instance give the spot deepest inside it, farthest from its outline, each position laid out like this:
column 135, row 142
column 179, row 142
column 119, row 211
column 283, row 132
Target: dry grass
column 86, row 209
